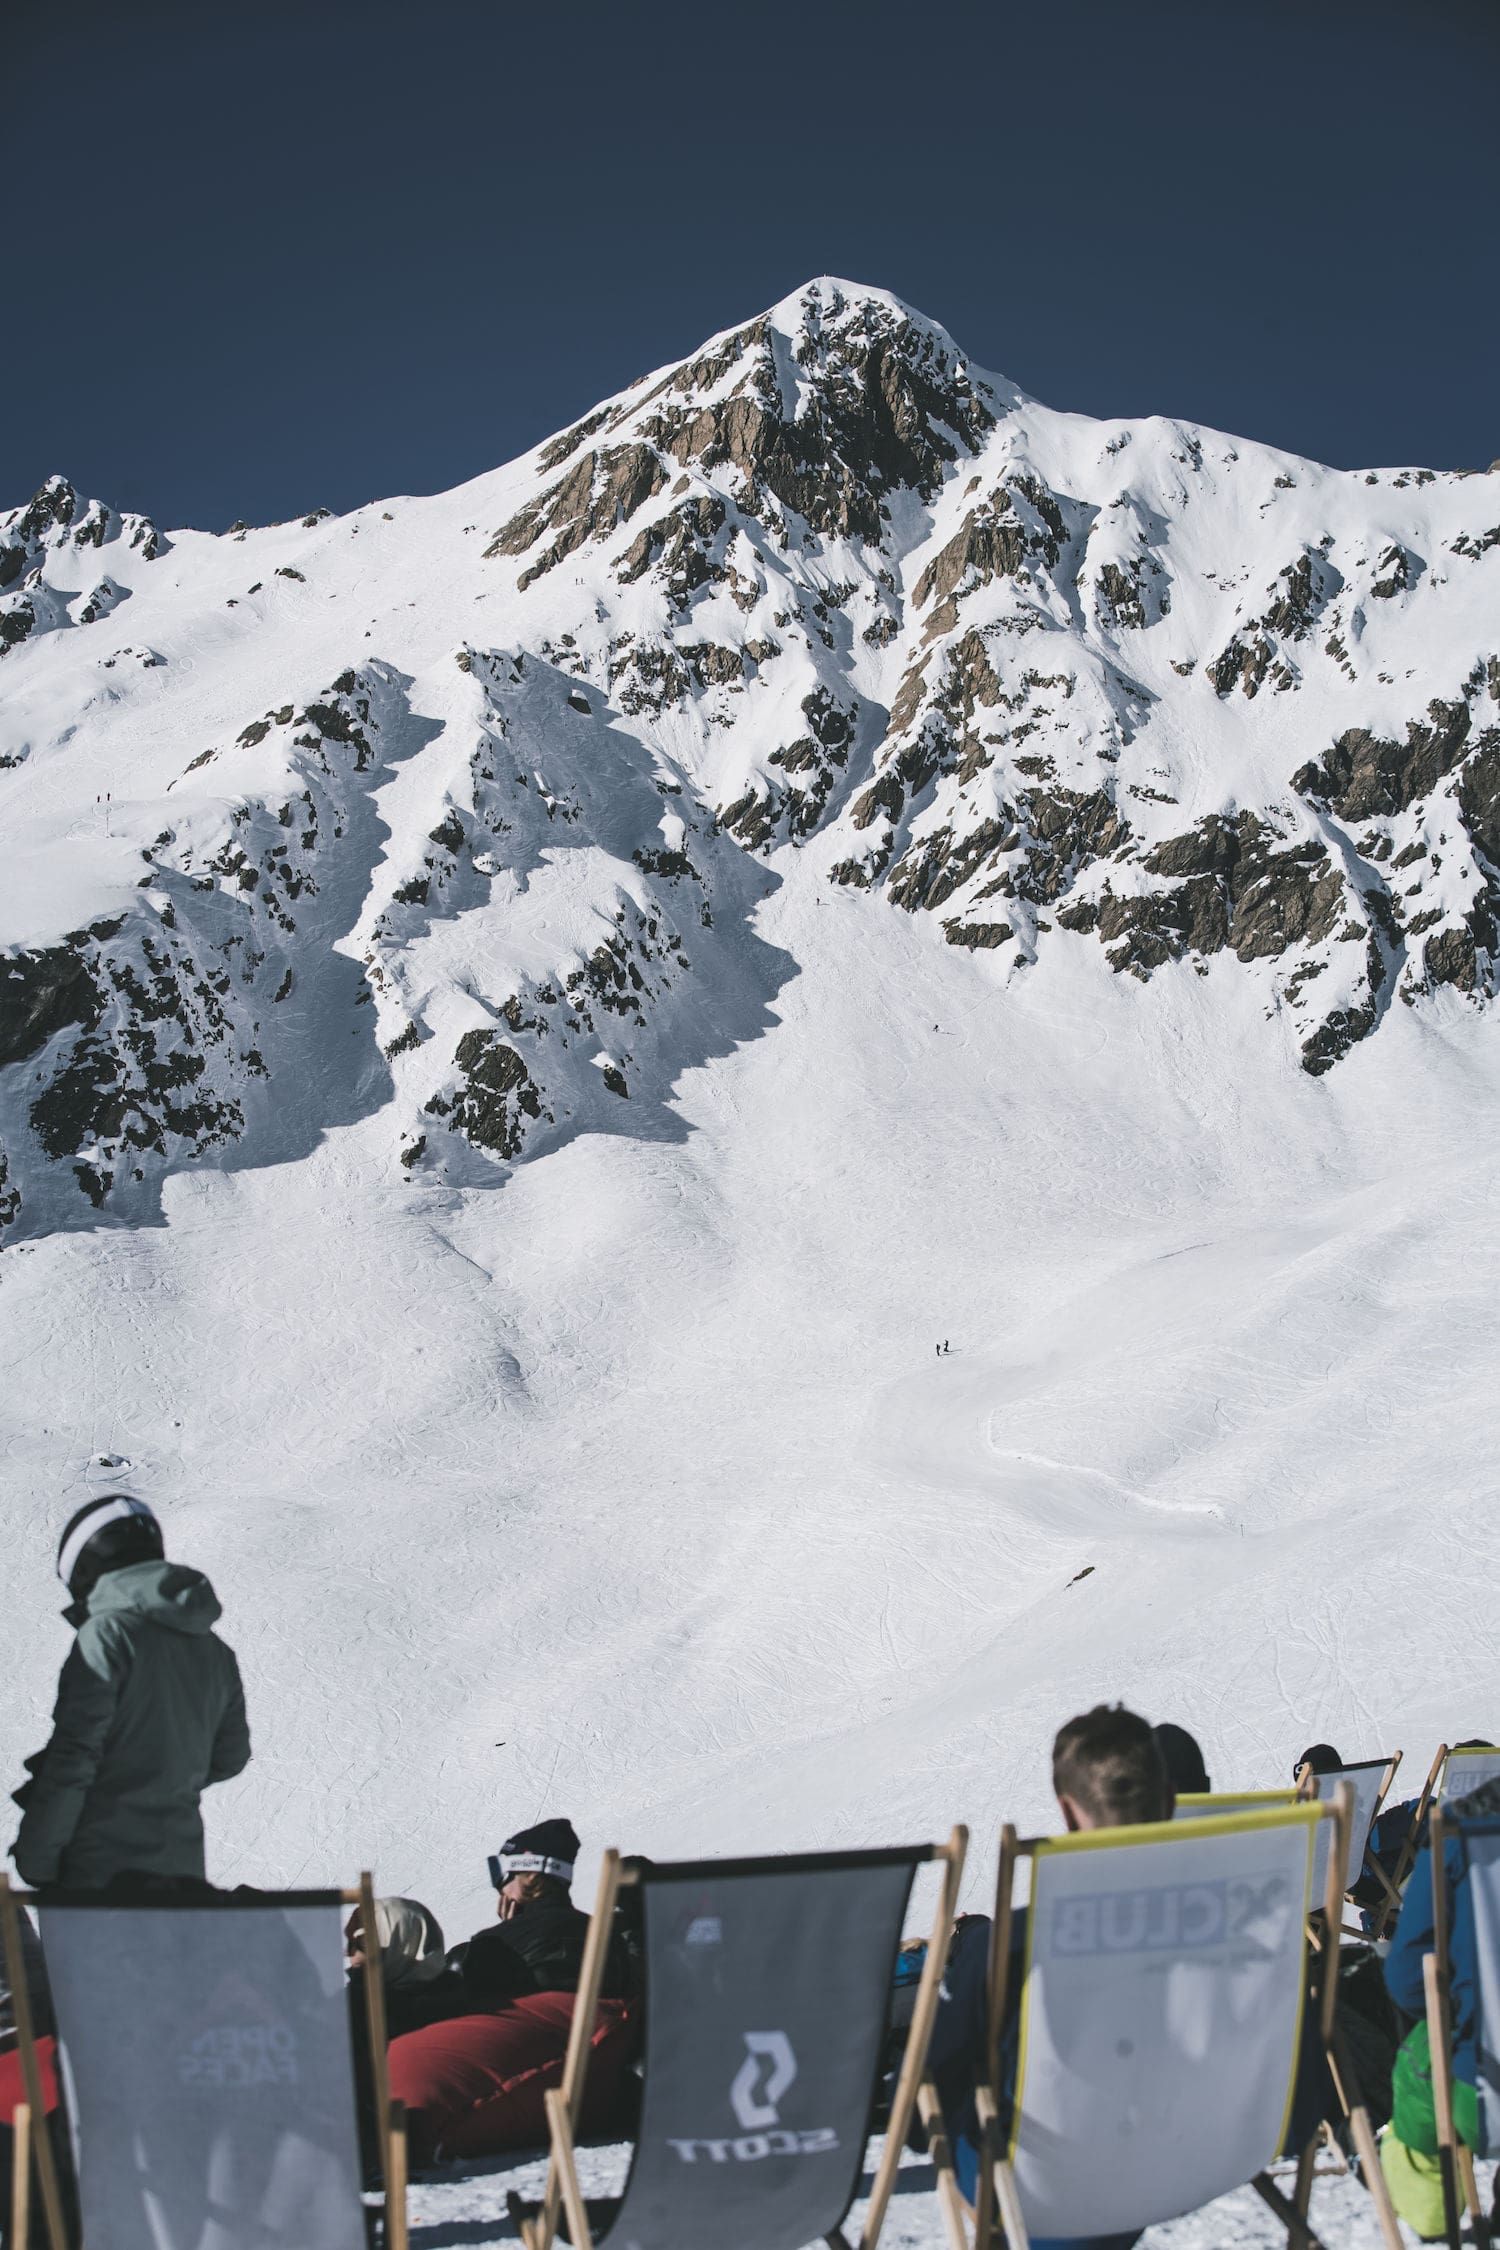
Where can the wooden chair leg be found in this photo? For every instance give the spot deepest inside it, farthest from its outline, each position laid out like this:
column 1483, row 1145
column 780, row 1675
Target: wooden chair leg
column 1008, row 2196
column 1472, row 2197
column 983, row 2213
column 20, row 2177
column 566, row 2157
column 1442, row 2095
column 909, row 2078
column 1298, row 2228
column 395, row 2179
column 950, row 2201
column 1362, row 2134
column 985, row 2235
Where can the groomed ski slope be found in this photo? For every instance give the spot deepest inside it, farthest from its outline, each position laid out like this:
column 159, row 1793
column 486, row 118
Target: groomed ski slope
column 637, row 1491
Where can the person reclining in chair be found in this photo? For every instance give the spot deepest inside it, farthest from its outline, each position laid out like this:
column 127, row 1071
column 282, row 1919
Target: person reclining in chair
column 1409, row 2151
column 536, row 1942
column 1107, row 1772
column 475, row 2083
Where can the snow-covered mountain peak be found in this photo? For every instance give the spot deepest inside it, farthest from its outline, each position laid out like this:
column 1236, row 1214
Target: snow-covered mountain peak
column 52, row 570
column 808, row 420
column 447, row 812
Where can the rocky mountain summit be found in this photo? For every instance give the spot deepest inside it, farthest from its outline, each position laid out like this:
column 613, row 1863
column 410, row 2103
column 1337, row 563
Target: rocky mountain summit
column 456, row 813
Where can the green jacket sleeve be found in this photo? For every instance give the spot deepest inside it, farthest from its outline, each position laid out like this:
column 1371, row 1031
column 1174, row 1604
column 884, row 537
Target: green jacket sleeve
column 88, row 1693
column 231, row 1750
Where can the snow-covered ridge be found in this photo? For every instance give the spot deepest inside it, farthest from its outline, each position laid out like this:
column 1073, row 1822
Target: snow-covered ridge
column 453, row 810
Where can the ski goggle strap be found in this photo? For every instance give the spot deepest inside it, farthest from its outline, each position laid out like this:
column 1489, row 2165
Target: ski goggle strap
column 505, row 1864
column 117, row 1508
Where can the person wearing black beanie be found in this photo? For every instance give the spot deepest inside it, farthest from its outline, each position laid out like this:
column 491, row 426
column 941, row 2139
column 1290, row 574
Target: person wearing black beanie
column 1321, row 1757
column 550, row 1849
column 536, row 1945
column 1183, row 1760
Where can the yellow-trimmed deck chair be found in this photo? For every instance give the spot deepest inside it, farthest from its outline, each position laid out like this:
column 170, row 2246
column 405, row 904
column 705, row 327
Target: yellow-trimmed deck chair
column 1465, row 1768
column 1470, row 1764
column 768, row 1985
column 206, row 2054
column 1481, row 1845
column 1164, row 1980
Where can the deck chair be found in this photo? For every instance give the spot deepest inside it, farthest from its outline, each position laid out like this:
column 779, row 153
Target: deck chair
column 1481, row 1843
column 768, row 1988
column 1416, row 1835
column 1369, row 1779
column 1162, row 1996
column 207, row 2062
column 1471, row 1764
column 1464, row 1770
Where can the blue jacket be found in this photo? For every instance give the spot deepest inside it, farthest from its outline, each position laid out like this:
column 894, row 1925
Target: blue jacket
column 1414, row 1937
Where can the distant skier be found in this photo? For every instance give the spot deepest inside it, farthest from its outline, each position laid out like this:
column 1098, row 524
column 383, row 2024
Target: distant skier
column 150, row 1711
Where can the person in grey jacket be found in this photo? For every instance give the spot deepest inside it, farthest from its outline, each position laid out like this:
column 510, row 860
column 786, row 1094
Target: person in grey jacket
column 150, row 1712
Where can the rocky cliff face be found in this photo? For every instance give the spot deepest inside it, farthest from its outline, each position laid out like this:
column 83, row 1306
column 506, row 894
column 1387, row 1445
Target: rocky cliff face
column 453, row 812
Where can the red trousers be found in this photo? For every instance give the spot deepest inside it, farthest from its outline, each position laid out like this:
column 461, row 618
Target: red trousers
column 474, row 2085
column 13, row 2092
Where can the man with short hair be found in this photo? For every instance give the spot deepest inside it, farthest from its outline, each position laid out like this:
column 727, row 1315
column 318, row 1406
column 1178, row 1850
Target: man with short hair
column 150, row 1711
column 1107, row 1772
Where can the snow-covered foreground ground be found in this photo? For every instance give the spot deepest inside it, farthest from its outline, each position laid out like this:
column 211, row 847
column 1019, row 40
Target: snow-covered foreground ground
column 470, row 2211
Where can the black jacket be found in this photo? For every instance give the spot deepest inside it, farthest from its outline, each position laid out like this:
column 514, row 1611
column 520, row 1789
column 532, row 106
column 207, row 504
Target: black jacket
column 538, row 1950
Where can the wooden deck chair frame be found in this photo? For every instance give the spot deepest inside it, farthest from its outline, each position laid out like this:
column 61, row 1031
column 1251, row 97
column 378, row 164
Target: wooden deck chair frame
column 914, row 2092
column 1407, row 1859
column 1449, row 1751
column 998, row 2194
column 391, row 2116
column 1307, row 1782
column 1455, row 2161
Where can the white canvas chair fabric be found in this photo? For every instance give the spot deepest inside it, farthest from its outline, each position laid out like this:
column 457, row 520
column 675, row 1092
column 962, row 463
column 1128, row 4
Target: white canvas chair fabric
column 1465, row 1770
column 207, row 2060
column 1161, row 2016
column 1481, row 1843
column 1367, row 1781
column 768, row 1987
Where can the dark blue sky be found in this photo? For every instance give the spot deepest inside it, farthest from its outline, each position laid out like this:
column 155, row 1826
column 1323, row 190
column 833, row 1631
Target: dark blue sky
column 264, row 256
